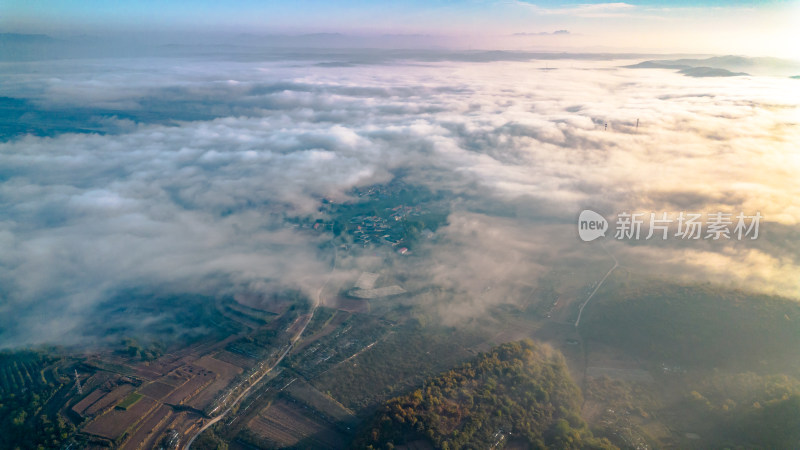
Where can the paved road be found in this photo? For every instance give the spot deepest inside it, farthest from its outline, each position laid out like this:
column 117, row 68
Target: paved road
column 317, row 302
column 616, row 264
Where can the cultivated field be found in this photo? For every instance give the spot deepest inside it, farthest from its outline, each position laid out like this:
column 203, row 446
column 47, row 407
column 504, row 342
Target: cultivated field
column 109, row 399
column 285, row 424
column 329, row 408
column 192, row 386
column 156, row 390
column 87, row 401
column 115, row 422
column 225, row 373
column 152, row 427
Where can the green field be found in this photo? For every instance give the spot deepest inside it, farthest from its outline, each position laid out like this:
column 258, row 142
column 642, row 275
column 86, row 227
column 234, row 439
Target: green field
column 129, row 401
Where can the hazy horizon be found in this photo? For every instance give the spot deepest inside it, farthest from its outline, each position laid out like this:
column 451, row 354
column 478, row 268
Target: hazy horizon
column 751, row 28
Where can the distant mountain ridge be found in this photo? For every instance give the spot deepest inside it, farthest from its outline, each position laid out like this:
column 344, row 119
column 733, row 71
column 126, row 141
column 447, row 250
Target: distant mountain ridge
column 19, row 38
column 724, row 66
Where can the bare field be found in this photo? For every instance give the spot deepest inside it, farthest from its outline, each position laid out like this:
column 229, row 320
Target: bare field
column 190, row 387
column 225, row 374
column 285, row 424
column 112, row 424
column 325, row 405
column 109, row 399
column 152, row 440
column 154, row 424
column 222, row 368
column 234, row 359
column 156, row 390
column 87, row 401
column 177, row 377
column 162, row 365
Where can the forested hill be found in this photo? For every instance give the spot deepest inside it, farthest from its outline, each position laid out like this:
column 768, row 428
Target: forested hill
column 517, row 393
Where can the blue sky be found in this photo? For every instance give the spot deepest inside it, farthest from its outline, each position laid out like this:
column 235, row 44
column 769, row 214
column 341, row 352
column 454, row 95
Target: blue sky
column 750, row 25
column 310, row 13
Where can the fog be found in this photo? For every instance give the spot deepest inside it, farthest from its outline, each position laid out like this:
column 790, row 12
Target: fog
column 178, row 173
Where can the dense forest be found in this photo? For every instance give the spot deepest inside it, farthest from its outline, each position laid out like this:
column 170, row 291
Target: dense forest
column 517, row 393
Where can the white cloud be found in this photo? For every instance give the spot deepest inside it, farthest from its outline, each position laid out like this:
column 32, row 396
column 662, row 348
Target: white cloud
column 593, row 10
column 172, row 202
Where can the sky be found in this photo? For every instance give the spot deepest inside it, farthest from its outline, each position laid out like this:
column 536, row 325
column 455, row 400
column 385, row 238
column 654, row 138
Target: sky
column 755, row 28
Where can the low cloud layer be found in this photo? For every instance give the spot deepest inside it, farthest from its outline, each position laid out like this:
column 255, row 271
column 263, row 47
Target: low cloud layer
column 180, row 173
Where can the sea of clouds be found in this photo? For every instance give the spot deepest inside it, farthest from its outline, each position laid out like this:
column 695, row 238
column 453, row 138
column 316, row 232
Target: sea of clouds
column 178, row 173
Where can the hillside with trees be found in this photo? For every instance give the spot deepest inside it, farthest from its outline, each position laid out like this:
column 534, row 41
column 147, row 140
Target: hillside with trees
column 518, row 393
column 28, row 381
